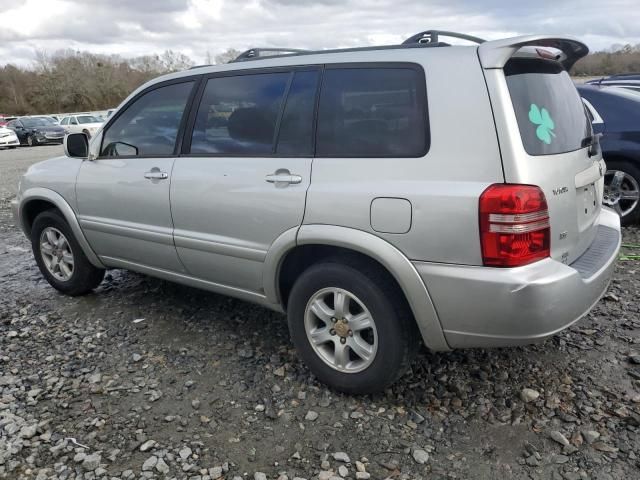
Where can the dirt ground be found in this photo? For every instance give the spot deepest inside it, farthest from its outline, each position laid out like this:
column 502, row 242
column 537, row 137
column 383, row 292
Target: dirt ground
column 147, row 379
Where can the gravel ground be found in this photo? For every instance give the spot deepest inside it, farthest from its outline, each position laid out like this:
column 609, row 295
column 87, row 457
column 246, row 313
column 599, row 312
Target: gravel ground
column 146, row 379
column 13, row 163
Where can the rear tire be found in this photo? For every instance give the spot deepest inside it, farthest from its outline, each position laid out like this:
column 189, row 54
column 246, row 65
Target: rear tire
column 629, row 214
column 60, row 257
column 377, row 356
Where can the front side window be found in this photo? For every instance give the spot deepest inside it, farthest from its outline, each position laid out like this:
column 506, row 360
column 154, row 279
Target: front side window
column 65, row 121
column 149, row 125
column 238, row 114
column 372, row 112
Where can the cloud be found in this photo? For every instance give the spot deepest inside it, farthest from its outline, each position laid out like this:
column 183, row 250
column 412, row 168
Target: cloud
column 195, row 27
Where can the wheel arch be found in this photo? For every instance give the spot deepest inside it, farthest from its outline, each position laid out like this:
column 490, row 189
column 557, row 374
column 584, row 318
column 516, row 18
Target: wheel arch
column 36, row 200
column 320, row 241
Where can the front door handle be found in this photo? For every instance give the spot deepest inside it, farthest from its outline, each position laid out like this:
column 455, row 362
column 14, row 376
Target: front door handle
column 283, row 177
column 156, row 174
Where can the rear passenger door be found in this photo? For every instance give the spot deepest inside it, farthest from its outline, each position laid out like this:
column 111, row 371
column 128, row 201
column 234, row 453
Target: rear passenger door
column 242, row 179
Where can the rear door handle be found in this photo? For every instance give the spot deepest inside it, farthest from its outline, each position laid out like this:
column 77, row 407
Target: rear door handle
column 283, row 177
column 156, row 174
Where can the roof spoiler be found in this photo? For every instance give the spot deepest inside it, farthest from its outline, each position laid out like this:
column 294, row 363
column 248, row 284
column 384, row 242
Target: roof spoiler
column 496, row 53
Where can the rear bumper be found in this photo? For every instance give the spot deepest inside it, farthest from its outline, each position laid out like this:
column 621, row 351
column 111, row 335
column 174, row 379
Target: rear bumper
column 493, row 307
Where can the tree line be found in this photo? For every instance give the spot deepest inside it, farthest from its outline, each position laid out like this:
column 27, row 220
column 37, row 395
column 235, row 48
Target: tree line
column 73, row 81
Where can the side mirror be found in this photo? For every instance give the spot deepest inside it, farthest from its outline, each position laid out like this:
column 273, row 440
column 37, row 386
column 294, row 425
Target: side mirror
column 76, row 145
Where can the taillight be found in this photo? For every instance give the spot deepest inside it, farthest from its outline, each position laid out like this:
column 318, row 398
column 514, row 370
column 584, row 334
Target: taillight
column 514, row 225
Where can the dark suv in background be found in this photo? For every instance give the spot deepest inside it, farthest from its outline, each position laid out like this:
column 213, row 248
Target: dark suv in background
column 615, row 114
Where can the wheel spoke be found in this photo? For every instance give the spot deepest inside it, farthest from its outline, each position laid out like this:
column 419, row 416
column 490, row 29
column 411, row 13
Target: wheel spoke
column 341, row 355
column 67, row 258
column 341, row 303
column 360, row 347
column 618, row 208
column 51, row 237
column 64, row 269
column 321, row 310
column 360, row 322
column 46, row 248
column 629, row 195
column 320, row 336
column 616, row 181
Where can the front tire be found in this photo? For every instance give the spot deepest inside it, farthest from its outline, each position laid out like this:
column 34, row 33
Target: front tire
column 351, row 327
column 622, row 190
column 31, row 141
column 60, row 257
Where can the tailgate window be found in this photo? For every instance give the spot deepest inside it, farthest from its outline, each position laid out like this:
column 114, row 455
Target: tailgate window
column 550, row 113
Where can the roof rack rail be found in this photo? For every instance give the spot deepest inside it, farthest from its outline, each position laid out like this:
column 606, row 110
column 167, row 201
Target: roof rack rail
column 254, row 53
column 432, row 36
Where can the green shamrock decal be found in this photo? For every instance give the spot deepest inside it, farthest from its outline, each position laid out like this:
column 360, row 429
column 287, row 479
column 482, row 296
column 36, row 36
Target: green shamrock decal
column 541, row 117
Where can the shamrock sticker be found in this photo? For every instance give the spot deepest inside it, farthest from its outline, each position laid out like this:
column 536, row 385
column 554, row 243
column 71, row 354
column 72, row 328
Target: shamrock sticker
column 541, row 117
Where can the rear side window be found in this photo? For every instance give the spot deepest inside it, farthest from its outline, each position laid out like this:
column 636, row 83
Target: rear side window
column 550, row 113
column 372, row 112
column 238, row 114
column 149, row 125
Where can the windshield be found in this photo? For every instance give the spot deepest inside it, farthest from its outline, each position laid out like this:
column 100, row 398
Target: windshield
column 550, row 113
column 37, row 122
column 88, row 119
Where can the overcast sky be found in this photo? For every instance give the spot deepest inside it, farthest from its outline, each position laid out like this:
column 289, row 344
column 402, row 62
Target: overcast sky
column 193, row 27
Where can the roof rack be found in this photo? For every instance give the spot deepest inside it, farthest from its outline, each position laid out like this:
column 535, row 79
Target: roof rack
column 255, row 53
column 432, row 36
column 428, row 38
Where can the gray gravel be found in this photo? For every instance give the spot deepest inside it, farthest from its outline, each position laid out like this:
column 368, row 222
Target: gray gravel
column 146, row 379
column 13, row 163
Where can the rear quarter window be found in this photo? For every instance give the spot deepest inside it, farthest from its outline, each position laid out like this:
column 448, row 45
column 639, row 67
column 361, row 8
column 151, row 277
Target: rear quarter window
column 551, row 116
column 373, row 112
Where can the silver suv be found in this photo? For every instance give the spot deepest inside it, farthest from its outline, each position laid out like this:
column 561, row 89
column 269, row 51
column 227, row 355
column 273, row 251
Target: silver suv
column 379, row 196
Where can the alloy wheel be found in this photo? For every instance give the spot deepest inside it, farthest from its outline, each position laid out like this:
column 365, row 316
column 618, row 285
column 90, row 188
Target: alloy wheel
column 621, row 192
column 341, row 330
column 56, row 253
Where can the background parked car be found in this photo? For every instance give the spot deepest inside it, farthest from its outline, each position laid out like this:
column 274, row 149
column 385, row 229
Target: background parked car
column 616, row 114
column 87, row 124
column 37, row 130
column 8, row 138
column 630, row 81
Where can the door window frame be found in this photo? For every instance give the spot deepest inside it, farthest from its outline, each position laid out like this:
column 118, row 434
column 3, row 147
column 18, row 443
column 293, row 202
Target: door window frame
column 291, row 70
column 195, row 79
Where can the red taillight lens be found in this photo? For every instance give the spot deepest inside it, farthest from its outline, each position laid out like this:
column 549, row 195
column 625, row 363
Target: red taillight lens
column 514, row 225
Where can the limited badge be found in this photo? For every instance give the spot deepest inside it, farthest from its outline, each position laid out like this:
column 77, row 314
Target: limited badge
column 541, row 118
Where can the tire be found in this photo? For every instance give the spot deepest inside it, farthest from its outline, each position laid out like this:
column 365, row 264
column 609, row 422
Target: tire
column 32, row 142
column 394, row 338
column 628, row 209
column 82, row 276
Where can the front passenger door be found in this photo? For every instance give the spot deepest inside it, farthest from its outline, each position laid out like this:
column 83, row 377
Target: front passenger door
column 123, row 195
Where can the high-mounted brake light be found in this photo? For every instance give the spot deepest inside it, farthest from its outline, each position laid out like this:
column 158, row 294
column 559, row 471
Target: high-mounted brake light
column 514, row 225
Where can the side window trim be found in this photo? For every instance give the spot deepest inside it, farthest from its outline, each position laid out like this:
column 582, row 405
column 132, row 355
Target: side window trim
column 190, row 124
column 195, row 79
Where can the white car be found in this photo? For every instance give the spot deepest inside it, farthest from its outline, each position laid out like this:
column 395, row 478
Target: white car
column 8, row 138
column 81, row 124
